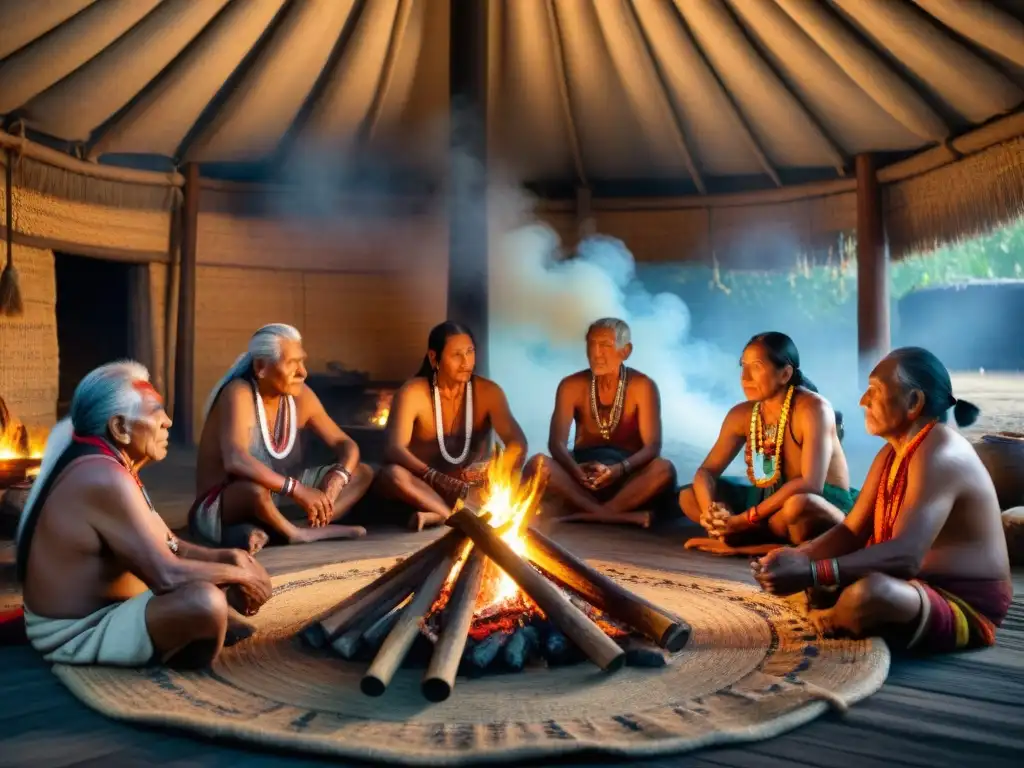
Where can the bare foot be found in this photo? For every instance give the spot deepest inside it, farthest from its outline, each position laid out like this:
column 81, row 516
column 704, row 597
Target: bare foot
column 257, row 540
column 641, row 519
column 239, row 628
column 422, row 520
column 326, row 533
column 823, row 621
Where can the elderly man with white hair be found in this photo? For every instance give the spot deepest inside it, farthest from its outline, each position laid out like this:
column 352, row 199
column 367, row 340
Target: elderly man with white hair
column 105, row 580
column 250, row 461
column 615, row 472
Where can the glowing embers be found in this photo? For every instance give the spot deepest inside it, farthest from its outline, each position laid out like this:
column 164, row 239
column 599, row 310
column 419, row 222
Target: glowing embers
column 494, row 595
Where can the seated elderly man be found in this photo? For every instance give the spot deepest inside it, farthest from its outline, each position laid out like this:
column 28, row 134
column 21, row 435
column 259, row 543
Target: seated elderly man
column 799, row 482
column 615, row 467
column 250, row 454
column 105, row 581
column 921, row 560
column 440, row 432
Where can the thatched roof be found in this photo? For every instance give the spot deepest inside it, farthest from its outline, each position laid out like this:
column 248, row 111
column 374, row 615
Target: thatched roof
column 699, row 92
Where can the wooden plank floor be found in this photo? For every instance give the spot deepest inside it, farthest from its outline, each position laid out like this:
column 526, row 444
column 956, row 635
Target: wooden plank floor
column 956, row 711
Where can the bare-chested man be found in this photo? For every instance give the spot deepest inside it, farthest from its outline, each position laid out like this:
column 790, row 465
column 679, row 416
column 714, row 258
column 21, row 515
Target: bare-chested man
column 105, row 580
column 798, row 481
column 615, row 467
column 921, row 559
column 250, row 462
column 440, row 430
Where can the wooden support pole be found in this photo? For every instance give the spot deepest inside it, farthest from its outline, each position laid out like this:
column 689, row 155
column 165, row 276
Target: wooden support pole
column 668, row 631
column 467, row 199
column 872, row 269
column 575, row 624
column 184, row 365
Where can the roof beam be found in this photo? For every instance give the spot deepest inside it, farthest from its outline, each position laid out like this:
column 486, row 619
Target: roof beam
column 565, row 92
column 734, row 109
column 867, row 69
column 840, row 159
column 403, row 12
column 669, row 103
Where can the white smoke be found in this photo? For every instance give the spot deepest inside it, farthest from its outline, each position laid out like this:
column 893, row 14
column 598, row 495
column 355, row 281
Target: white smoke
column 540, row 309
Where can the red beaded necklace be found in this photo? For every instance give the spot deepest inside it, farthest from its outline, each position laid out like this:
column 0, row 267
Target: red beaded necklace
column 892, row 487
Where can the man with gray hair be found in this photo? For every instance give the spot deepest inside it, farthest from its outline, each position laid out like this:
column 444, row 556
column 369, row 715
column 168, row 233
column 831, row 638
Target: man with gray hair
column 105, row 580
column 615, row 468
column 250, row 459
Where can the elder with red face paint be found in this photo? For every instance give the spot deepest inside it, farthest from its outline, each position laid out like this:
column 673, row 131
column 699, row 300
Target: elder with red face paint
column 105, row 580
column 253, row 483
column 798, row 482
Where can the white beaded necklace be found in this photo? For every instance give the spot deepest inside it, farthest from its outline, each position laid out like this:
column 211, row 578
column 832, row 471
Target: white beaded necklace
column 261, row 417
column 440, row 424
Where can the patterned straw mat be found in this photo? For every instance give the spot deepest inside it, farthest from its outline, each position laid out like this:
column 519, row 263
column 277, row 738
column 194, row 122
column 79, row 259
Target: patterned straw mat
column 753, row 669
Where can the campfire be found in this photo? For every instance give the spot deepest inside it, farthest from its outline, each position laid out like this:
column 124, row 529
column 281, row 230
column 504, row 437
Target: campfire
column 20, row 453
column 383, row 409
column 493, row 595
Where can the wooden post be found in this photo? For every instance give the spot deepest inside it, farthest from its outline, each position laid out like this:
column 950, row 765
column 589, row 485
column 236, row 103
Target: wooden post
column 184, row 365
column 467, row 202
column 141, row 336
column 872, row 269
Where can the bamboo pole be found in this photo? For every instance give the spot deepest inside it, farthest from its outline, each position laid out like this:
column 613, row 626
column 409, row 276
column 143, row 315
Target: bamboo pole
column 398, row 642
column 439, row 678
column 668, row 631
column 576, row 625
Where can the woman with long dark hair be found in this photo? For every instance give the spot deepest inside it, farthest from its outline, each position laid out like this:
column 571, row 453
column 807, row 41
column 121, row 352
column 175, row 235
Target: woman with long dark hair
column 441, row 427
column 798, row 483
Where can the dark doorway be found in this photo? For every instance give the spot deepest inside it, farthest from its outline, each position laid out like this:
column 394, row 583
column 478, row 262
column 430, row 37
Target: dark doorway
column 93, row 318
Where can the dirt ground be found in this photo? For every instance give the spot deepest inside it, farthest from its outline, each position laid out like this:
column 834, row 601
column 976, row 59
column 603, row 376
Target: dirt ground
column 1000, row 397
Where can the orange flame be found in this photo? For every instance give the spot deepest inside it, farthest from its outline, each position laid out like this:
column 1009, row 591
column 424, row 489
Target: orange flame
column 383, row 411
column 510, row 503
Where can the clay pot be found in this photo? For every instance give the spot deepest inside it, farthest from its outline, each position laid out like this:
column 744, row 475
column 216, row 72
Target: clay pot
column 1013, row 527
column 1003, row 457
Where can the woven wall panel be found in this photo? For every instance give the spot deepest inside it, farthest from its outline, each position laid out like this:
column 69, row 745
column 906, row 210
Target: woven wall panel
column 29, row 355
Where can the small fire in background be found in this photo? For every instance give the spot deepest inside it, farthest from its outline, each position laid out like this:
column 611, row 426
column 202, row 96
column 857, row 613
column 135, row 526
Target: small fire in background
column 21, row 452
column 383, row 409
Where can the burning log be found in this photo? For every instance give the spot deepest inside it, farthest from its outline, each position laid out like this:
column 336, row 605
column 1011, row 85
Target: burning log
column 444, row 664
column 390, row 589
column 398, row 642
column 598, row 647
column 669, row 631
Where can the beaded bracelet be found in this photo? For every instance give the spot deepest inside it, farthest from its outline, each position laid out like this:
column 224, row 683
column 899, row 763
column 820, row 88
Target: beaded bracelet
column 340, row 470
column 825, row 573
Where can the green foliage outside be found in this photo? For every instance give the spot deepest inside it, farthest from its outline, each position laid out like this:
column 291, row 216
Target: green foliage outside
column 827, row 291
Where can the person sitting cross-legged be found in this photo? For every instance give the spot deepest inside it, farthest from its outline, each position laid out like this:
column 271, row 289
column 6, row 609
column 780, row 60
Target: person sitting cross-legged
column 105, row 581
column 922, row 559
column 615, row 471
column 798, row 480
